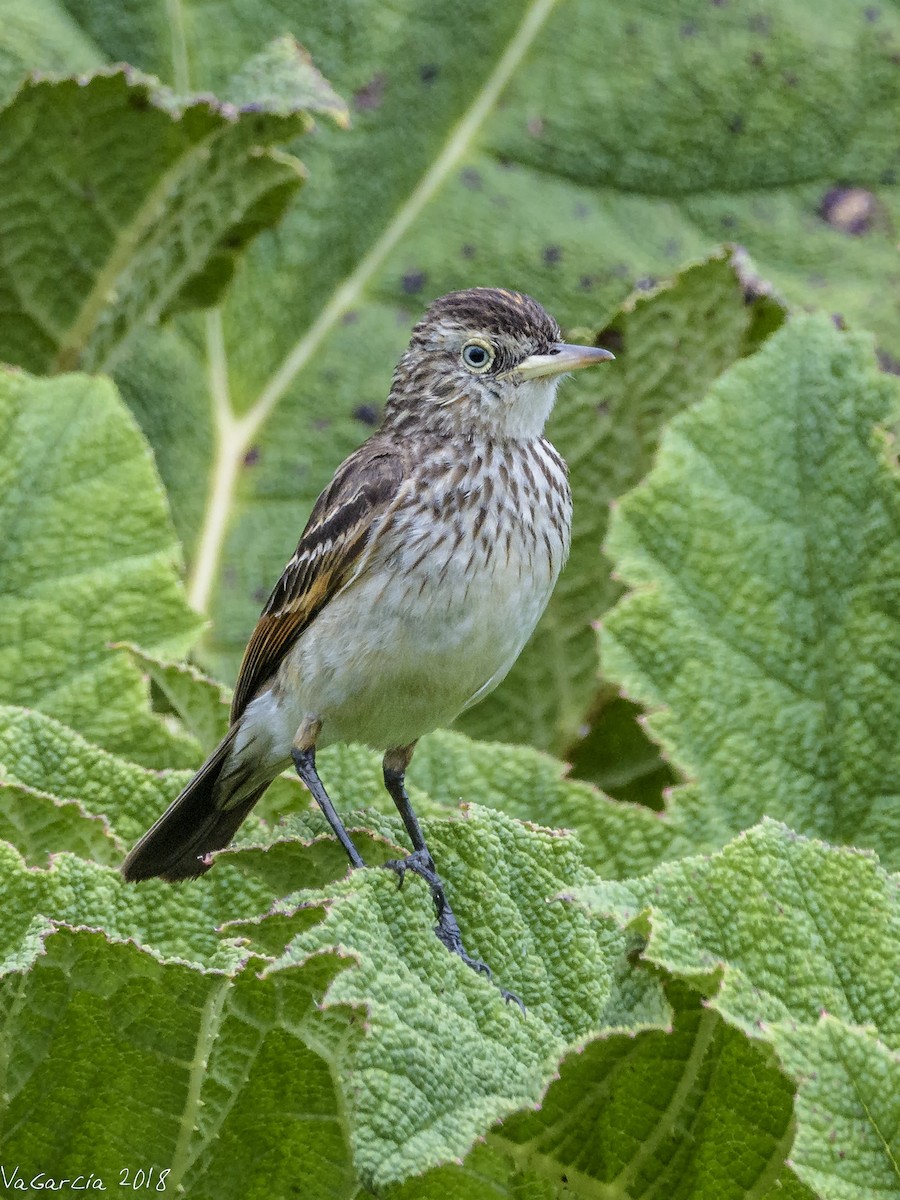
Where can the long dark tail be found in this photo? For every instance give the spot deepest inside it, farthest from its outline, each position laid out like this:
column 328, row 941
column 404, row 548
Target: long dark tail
column 197, row 822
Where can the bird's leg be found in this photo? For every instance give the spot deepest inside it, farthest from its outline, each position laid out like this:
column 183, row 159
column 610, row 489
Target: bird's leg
column 303, row 752
column 420, row 861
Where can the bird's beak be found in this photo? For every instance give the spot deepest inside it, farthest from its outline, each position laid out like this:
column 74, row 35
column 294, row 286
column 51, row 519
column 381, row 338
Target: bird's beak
column 564, row 357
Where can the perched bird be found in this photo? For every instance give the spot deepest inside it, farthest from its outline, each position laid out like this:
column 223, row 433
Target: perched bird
column 422, row 571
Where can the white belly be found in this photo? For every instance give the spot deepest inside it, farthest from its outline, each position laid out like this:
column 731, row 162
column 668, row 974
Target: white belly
column 418, row 636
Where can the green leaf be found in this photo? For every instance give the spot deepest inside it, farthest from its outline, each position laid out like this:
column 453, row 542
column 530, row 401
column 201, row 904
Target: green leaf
column 39, row 824
column 201, row 704
column 282, row 79
column 798, row 945
column 48, row 758
column 670, row 345
column 88, row 557
column 691, row 1112
column 764, row 548
column 194, row 182
column 446, row 1056
column 171, row 1069
column 428, row 1017
column 42, row 33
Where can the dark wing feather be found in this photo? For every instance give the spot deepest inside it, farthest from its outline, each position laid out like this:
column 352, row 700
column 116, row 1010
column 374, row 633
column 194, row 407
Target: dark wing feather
column 340, row 526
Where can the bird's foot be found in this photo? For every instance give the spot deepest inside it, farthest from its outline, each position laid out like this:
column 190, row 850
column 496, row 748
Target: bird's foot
column 447, row 928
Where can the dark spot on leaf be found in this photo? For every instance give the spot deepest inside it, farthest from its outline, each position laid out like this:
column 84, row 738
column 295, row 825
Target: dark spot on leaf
column 632, row 29
column 729, row 221
column 736, row 124
column 535, row 126
column 506, row 163
column 471, row 179
column 552, row 255
column 838, row 321
column 646, row 283
column 468, row 250
column 672, row 248
column 580, row 211
column 369, row 98
column 887, row 362
column 757, row 59
column 872, row 15
column 413, row 282
column 564, row 1178
column 350, row 317
column 602, row 410
column 790, row 78
column 251, row 458
column 848, row 209
column 612, row 339
column 367, row 413
column 260, row 596
column 688, row 29
column 586, row 282
column 888, row 177
column 429, row 73
column 138, row 101
column 760, row 23
column 621, row 270
column 719, row 3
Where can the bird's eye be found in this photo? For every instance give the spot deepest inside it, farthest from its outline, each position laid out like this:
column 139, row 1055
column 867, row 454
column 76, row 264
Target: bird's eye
column 477, row 356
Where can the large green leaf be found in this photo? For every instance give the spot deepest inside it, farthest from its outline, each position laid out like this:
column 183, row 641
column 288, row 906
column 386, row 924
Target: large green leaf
column 89, row 556
column 798, row 946
column 568, row 148
column 764, row 548
column 696, row 1111
column 437, row 1057
column 192, row 182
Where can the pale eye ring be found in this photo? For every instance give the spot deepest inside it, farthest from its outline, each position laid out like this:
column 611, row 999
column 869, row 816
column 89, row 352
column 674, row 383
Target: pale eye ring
column 478, row 355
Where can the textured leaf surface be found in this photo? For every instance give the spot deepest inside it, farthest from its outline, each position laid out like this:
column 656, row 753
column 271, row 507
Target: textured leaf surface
column 437, row 1058
column 173, row 1068
column 89, row 556
column 201, row 704
column 799, row 945
column 39, row 824
column 764, row 548
column 696, row 1111
column 192, row 184
column 460, row 1058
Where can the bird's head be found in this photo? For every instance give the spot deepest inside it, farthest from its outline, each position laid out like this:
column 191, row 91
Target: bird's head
column 484, row 362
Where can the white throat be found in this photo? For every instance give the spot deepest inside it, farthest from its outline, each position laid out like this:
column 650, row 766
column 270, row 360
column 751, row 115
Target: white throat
column 529, row 406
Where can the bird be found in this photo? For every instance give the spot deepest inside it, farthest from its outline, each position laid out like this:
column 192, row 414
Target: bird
column 420, row 575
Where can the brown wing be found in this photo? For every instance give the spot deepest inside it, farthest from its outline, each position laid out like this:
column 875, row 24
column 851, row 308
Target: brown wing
column 340, row 526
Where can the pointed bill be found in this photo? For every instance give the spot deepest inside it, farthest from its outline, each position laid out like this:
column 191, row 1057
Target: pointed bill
column 565, row 357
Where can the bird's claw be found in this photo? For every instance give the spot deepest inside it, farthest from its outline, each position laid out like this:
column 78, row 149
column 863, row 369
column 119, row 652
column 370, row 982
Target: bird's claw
column 447, row 929
column 512, row 998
